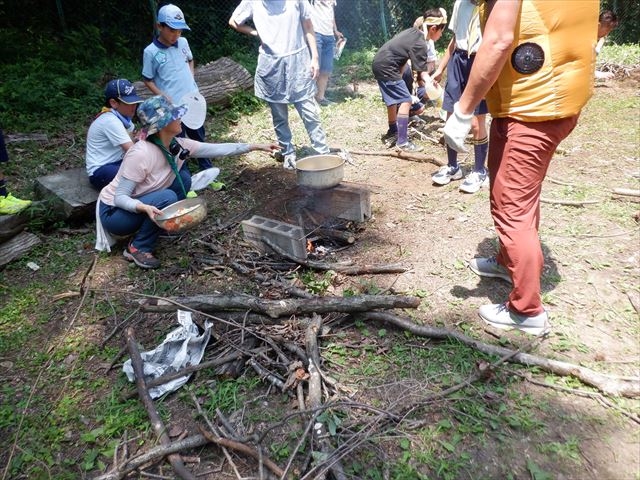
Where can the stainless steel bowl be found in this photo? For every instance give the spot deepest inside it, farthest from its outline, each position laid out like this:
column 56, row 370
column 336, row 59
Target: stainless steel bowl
column 320, row 171
column 182, row 215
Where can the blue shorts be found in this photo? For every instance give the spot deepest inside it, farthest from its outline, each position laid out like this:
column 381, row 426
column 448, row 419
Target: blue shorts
column 458, row 71
column 394, row 92
column 326, row 45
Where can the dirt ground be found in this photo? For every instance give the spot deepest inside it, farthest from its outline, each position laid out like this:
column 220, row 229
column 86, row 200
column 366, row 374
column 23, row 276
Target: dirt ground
column 592, row 261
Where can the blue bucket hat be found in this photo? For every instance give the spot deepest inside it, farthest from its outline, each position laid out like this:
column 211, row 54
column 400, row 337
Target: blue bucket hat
column 155, row 113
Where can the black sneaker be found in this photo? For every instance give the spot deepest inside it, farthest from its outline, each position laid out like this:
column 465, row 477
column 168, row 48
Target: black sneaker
column 409, row 147
column 389, row 139
column 142, row 259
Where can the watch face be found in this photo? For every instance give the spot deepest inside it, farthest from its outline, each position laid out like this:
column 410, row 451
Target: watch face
column 527, row 58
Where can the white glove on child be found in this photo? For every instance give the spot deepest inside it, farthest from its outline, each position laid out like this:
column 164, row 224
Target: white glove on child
column 457, row 128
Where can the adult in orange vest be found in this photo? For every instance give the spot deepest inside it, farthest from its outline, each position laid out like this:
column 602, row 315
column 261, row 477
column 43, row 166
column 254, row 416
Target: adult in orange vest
column 536, row 77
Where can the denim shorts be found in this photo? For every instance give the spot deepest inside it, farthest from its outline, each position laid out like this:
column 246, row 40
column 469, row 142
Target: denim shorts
column 326, row 44
column 394, row 92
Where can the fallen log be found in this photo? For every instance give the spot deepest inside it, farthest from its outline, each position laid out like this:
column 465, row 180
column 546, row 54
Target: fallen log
column 216, row 80
column 413, row 157
column 154, row 416
column 11, row 225
column 17, row 246
column 279, row 308
column 607, row 384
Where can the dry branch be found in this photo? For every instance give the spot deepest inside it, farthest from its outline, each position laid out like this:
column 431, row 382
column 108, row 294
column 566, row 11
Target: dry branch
column 626, row 191
column 571, row 203
column 152, row 455
column 413, row 157
column 280, row 308
column 154, row 416
column 320, row 434
column 346, row 270
column 607, row 384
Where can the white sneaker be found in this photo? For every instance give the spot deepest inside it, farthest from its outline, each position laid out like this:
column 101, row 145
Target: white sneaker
column 289, row 162
column 489, row 267
column 445, row 174
column 474, row 182
column 499, row 316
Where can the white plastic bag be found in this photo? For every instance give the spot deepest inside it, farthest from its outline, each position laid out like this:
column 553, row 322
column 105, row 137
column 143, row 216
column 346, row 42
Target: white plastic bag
column 182, row 347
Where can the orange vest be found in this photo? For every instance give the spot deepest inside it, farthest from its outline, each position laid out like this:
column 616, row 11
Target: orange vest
column 533, row 87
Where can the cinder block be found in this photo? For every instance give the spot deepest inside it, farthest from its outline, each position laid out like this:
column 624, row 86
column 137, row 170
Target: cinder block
column 344, row 201
column 290, row 238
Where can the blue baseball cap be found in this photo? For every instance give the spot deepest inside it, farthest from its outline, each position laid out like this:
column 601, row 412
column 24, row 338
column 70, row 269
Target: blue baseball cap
column 123, row 90
column 173, row 17
column 157, row 112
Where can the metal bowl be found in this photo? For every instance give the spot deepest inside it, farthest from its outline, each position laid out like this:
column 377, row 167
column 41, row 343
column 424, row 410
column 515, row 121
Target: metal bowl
column 182, row 215
column 320, row 171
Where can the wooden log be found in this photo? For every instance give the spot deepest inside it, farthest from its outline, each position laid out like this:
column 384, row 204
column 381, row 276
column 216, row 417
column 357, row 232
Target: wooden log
column 280, row 308
column 626, row 191
column 11, row 225
column 17, row 246
column 216, row 80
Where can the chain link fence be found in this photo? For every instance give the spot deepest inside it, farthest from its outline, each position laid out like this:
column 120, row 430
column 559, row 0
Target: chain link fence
column 128, row 27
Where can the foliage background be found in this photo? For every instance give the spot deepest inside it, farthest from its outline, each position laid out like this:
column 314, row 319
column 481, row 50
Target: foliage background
column 57, row 55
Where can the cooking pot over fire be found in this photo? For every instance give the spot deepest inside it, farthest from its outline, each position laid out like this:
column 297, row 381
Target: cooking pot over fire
column 320, row 171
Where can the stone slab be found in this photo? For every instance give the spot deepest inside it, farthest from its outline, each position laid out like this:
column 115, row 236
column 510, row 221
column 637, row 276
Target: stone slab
column 69, row 192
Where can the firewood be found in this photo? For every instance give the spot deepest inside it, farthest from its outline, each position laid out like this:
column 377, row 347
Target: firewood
column 279, row 308
column 413, row 157
column 156, row 422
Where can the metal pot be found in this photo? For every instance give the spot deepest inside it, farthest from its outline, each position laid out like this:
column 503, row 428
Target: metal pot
column 182, row 215
column 320, row 171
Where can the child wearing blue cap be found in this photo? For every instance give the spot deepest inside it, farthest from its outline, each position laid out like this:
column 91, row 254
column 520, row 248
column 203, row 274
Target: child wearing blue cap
column 153, row 176
column 168, row 67
column 110, row 133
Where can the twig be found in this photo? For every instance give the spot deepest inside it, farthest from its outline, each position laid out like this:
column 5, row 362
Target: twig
column 414, row 157
column 571, row 203
column 346, row 270
column 626, row 192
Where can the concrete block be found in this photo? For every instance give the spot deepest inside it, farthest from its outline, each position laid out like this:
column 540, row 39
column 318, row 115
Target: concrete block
column 290, row 238
column 70, row 192
column 344, row 201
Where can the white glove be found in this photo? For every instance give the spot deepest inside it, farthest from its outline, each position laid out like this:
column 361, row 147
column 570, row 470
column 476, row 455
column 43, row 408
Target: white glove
column 457, row 128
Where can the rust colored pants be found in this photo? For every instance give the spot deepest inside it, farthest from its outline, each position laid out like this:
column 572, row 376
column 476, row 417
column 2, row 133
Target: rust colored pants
column 519, row 156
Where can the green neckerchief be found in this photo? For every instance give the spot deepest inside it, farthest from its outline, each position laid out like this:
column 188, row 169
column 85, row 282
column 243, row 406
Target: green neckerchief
column 172, row 162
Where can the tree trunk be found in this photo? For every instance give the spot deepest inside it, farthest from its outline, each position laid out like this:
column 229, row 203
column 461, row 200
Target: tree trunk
column 216, row 80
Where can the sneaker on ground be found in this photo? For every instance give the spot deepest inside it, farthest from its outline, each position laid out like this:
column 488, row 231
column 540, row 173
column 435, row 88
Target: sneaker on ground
column 499, row 316
column 142, row 259
column 389, row 139
column 409, row 147
column 324, row 102
column 289, row 162
column 489, row 267
column 191, row 194
column 217, row 186
column 446, row 173
column 11, row 205
column 474, row 182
